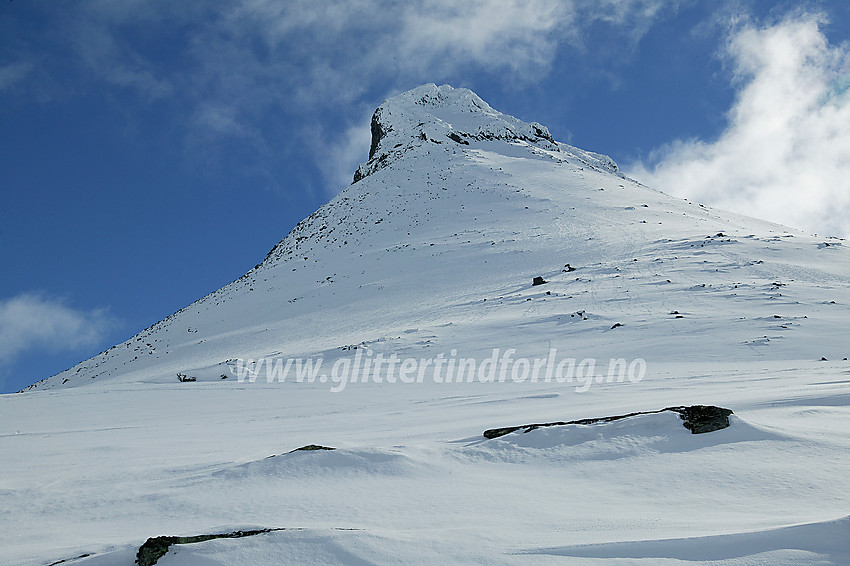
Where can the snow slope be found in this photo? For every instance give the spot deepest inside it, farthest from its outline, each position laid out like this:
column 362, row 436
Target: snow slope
column 431, row 251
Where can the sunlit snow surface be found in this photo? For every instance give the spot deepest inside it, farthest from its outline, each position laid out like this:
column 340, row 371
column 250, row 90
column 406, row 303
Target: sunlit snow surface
column 726, row 310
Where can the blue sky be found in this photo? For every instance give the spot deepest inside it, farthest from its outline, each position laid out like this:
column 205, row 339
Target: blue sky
column 152, row 152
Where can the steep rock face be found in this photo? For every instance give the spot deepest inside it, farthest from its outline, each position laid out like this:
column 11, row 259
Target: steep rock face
column 437, row 115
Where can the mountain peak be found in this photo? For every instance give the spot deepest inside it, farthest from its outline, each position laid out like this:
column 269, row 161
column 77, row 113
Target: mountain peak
column 443, row 115
column 465, row 211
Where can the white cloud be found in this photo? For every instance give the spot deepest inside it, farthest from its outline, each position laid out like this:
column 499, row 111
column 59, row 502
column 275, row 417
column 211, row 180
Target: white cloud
column 519, row 36
column 32, row 320
column 219, row 119
column 229, row 66
column 344, row 154
column 353, row 43
column 334, row 55
column 785, row 153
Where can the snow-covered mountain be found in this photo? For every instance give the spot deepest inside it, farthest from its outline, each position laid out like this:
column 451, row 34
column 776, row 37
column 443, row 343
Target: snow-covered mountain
column 469, row 235
column 437, row 243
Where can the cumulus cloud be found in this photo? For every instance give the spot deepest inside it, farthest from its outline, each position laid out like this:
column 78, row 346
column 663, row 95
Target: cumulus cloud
column 32, row 320
column 785, row 153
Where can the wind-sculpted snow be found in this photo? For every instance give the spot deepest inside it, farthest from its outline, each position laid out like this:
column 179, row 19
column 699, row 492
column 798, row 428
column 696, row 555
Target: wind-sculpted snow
column 98, row 470
column 323, row 462
column 814, row 543
column 640, row 435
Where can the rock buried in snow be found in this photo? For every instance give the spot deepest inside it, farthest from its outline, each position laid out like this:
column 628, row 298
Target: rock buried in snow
column 538, row 281
column 307, row 448
column 454, row 137
column 156, row 547
column 697, row 418
column 705, row 418
column 313, row 447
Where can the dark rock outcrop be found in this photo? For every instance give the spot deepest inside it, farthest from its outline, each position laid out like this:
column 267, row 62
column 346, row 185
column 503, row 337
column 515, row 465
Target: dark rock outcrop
column 63, row 561
column 379, row 130
column 542, row 131
column 697, row 418
column 313, row 447
column 156, row 547
column 704, row 418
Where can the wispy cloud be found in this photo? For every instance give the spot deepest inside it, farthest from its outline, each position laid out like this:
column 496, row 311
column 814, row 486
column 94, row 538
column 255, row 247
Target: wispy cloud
column 344, row 153
column 13, row 74
column 227, row 66
column 785, row 153
column 94, row 36
column 32, row 320
column 514, row 36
